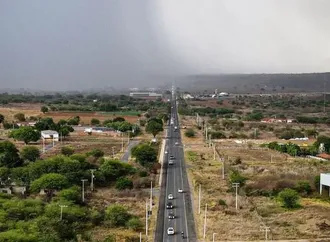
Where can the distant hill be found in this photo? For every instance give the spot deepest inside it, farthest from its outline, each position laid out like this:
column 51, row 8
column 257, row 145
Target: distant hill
column 256, row 83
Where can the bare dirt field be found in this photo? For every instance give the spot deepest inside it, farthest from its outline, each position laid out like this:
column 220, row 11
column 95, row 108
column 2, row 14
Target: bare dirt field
column 265, row 170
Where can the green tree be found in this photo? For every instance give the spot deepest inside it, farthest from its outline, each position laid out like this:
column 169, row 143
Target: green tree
column 46, row 124
column 26, row 134
column 30, row 153
column 95, row 121
column 70, row 194
column 2, row 118
column 20, row 117
column 134, row 224
column 67, row 150
column 50, row 181
column 322, row 139
column 289, row 198
column 153, row 127
column 303, row 187
column 9, row 156
column 145, row 155
column 74, row 121
column 113, row 169
column 117, row 215
column 44, row 109
column 124, row 183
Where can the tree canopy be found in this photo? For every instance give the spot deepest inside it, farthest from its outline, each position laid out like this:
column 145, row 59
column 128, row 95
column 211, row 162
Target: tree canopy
column 26, row 134
column 9, row 156
column 30, row 153
column 154, row 127
column 50, row 181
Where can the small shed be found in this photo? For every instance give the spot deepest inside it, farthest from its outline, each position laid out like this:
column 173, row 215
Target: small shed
column 50, row 135
column 324, row 181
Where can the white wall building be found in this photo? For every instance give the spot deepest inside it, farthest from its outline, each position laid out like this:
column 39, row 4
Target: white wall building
column 50, row 135
column 324, row 181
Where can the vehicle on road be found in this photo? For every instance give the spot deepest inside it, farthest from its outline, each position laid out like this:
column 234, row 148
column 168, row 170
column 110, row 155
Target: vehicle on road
column 170, row 162
column 175, row 128
column 180, row 190
column 170, row 196
column 172, row 157
column 171, row 216
column 166, row 152
column 176, row 143
column 169, row 205
column 170, row 231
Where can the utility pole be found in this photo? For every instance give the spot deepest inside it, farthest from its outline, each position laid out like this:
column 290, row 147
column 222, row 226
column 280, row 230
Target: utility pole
column 122, row 143
column 147, row 217
column 204, row 234
column 213, row 236
column 199, row 198
column 151, row 196
column 266, row 230
column 140, row 237
column 92, row 179
column 255, row 133
column 210, row 140
column 83, row 189
column 113, row 152
column 206, row 132
column 223, row 168
column 62, row 206
column 213, row 152
column 236, row 185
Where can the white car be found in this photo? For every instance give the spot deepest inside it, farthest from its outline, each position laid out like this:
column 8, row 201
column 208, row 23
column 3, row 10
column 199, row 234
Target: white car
column 176, row 143
column 170, row 231
column 170, row 196
column 180, row 191
column 166, row 152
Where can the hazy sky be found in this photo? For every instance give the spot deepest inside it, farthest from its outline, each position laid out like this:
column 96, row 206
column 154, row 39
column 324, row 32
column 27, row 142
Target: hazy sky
column 78, row 44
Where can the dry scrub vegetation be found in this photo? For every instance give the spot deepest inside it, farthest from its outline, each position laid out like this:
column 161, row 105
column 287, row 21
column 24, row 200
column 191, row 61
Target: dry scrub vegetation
column 267, row 173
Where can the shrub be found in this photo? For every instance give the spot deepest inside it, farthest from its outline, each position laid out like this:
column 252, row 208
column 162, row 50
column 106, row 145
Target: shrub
column 222, row 203
column 303, row 187
column 236, row 177
column 124, row 183
column 134, row 224
column 289, row 198
column 189, row 133
column 70, row 194
column 96, row 153
column 317, row 182
column 95, row 121
column 117, row 215
column 67, row 150
column 143, row 173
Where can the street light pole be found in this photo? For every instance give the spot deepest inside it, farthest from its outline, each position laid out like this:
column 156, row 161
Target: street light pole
column 92, row 179
column 204, row 234
column 62, row 206
column 147, row 217
column 151, row 196
column 236, row 185
column 213, row 236
column 83, row 189
column 199, row 198
column 140, row 237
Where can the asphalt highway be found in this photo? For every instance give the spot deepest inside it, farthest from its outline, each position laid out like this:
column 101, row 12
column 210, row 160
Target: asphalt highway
column 175, row 178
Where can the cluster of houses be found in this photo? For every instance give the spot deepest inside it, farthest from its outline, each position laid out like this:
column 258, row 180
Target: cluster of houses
column 277, row 120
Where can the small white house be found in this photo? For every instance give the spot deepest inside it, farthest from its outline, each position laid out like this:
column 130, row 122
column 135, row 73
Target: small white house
column 324, row 181
column 50, row 135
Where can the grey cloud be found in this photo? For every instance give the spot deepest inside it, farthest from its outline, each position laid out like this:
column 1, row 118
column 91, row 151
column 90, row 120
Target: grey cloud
column 81, row 44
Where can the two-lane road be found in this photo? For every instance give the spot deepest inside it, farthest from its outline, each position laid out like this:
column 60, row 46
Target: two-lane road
column 175, row 178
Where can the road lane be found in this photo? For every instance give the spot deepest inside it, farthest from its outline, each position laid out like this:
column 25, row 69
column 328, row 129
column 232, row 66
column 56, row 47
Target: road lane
column 176, row 178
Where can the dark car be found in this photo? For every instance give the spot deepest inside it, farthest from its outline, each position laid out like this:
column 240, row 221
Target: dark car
column 171, row 216
column 169, row 205
column 172, row 157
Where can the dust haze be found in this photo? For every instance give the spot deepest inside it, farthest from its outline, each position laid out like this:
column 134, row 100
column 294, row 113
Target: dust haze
column 80, row 44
